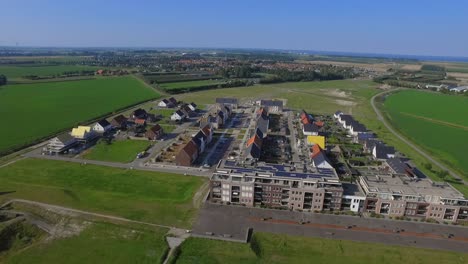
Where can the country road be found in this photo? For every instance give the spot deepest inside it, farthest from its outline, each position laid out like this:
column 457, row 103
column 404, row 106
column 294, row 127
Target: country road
column 407, row 142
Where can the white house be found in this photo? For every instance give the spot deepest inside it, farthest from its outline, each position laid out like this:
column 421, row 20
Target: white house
column 177, row 116
column 165, row 103
column 321, row 161
column 310, row 129
column 192, row 106
column 102, row 126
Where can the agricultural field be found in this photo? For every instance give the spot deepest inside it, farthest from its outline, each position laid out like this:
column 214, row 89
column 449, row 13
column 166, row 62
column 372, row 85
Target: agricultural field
column 189, row 84
column 17, row 72
column 162, row 198
column 123, row 151
column 98, row 243
column 33, row 111
column 437, row 122
column 274, row 248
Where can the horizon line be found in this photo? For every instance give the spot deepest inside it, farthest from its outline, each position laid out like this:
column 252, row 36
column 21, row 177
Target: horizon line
column 321, row 52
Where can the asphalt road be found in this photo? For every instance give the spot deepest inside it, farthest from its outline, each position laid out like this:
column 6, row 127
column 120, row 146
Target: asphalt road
column 409, row 143
column 223, row 221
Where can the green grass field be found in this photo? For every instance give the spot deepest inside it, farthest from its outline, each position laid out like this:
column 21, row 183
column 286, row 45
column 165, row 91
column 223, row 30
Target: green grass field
column 188, row 84
column 33, row 111
column 273, row 248
column 16, row 72
column 99, row 243
column 434, row 121
column 118, row 151
column 154, row 197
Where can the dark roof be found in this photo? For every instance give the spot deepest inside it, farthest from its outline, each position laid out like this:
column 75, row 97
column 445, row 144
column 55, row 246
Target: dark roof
column 320, row 158
column 254, row 151
column 348, row 119
column 311, row 127
column 262, row 124
column 213, row 119
column 382, row 151
column 338, row 112
column 198, row 138
column 221, row 113
column 104, row 123
column 120, row 119
column 139, row 112
column 365, row 135
column 65, row 137
column 258, row 132
column 180, row 113
column 166, row 101
column 358, row 127
column 155, row 128
column 187, row 109
column 173, row 100
column 398, row 165
column 271, row 103
column 193, row 104
column 225, row 100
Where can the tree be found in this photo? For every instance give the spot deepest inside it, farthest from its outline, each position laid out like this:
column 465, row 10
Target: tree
column 3, row 80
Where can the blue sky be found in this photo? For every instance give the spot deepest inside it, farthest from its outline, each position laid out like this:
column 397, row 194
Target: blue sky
column 438, row 28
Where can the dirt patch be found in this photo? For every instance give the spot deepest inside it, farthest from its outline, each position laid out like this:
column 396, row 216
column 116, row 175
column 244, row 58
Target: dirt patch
column 411, row 67
column 336, row 93
column 345, row 103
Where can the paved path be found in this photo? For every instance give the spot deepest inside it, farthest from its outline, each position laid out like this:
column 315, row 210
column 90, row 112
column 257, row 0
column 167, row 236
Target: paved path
column 145, row 167
column 407, row 142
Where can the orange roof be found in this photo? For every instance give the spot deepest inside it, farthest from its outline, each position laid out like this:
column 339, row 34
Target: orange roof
column 255, row 139
column 315, row 149
column 140, row 121
column 305, row 120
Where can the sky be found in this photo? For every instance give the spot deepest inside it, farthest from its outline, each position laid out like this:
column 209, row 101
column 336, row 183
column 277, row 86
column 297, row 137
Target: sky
column 411, row 27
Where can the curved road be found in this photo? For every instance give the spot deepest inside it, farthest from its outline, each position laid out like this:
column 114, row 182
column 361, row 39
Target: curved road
column 409, row 143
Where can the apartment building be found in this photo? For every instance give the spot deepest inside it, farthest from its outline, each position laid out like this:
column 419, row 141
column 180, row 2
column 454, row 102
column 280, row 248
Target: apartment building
column 276, row 186
column 402, row 195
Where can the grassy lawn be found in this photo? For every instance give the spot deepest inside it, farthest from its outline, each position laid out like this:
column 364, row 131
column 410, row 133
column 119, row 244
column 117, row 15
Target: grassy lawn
column 118, row 151
column 318, row 97
column 16, row 72
column 33, row 111
column 167, row 128
column 188, row 84
column 155, row 197
column 273, row 248
column 99, row 243
column 441, row 130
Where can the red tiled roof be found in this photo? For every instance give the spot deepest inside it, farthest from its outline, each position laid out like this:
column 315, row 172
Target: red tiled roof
column 206, row 130
column 190, row 148
column 140, row 121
